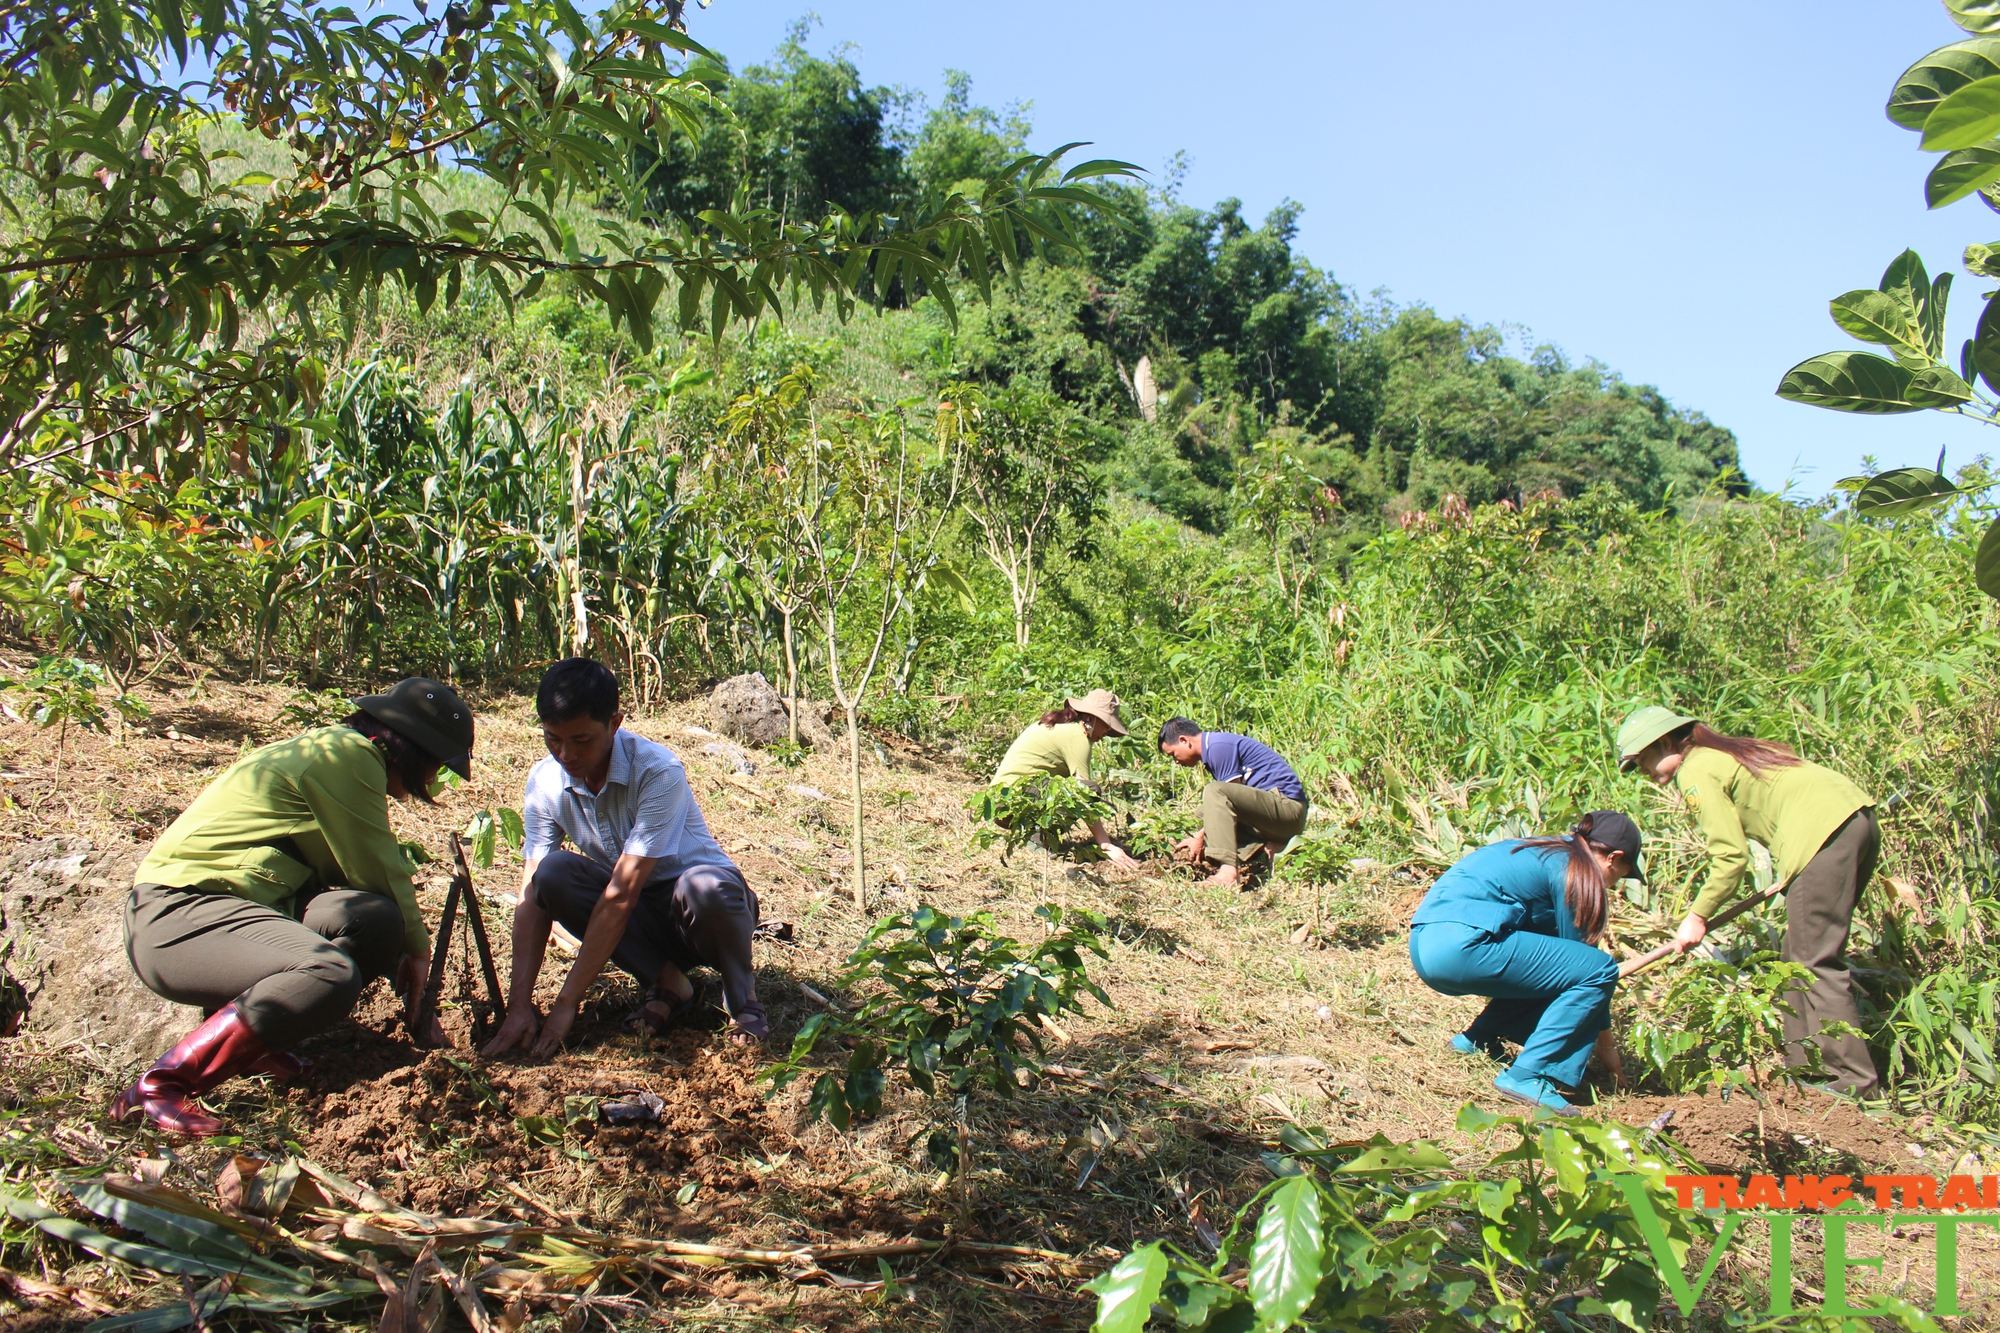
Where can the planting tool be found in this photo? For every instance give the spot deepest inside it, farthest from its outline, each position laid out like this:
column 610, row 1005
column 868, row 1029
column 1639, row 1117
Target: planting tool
column 475, row 924
column 1633, row 966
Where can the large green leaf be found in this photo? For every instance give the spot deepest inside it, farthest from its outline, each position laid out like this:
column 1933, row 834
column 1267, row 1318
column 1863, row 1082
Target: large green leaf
column 1965, row 119
column 1961, row 173
column 1983, row 260
column 1975, row 15
column 167, row 1318
column 131, row 1252
column 1902, row 490
column 1878, row 317
column 1284, row 1258
column 1937, row 386
column 1932, row 314
column 1125, row 1295
column 1986, row 565
column 1851, row 382
column 1986, row 346
column 1905, row 279
column 1938, row 75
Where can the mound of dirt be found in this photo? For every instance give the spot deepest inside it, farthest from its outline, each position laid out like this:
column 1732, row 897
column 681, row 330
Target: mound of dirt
column 434, row 1131
column 1804, row 1131
column 62, row 911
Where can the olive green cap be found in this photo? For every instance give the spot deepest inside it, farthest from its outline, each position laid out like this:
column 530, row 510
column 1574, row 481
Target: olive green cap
column 1642, row 727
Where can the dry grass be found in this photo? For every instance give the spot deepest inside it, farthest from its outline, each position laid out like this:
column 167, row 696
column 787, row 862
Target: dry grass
column 1234, row 1011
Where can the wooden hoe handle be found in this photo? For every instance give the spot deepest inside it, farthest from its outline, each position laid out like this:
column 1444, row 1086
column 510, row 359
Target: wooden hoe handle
column 1639, row 963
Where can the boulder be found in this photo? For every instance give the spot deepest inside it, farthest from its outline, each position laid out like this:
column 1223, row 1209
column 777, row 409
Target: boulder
column 62, row 939
column 747, row 709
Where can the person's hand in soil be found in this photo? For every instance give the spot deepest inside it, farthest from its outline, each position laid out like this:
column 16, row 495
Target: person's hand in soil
column 562, row 1016
column 411, row 978
column 1116, row 856
column 1193, row 846
column 517, row 1029
column 1693, row 931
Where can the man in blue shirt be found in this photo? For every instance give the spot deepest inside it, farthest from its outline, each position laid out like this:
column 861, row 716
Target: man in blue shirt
column 646, row 885
column 1256, row 797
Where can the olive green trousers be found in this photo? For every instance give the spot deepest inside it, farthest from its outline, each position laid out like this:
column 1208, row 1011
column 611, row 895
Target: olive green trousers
column 1237, row 817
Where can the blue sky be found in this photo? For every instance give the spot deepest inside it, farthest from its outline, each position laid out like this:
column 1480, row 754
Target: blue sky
column 1675, row 190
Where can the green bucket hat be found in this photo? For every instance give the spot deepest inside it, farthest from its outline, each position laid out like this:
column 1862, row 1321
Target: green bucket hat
column 431, row 715
column 1641, row 728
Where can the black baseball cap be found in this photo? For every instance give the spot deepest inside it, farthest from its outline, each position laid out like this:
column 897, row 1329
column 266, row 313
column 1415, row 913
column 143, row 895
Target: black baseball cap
column 431, row 715
column 1617, row 833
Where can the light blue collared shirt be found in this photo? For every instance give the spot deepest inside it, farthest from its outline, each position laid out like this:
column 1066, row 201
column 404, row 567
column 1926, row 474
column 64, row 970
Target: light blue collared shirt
column 646, row 809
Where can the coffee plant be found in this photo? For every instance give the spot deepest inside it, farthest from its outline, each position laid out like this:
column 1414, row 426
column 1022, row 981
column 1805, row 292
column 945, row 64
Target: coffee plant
column 950, row 1003
column 1041, row 810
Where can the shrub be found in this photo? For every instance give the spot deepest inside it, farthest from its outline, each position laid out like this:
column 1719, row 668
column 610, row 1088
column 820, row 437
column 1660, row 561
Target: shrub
column 1041, row 810
column 1719, row 1025
column 951, row 1002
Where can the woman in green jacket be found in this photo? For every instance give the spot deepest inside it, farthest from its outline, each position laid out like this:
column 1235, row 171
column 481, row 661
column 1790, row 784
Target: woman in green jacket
column 282, row 891
column 1060, row 744
column 1823, row 838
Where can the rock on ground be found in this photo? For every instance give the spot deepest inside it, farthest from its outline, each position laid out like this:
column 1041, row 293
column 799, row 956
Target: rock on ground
column 747, row 709
column 62, row 938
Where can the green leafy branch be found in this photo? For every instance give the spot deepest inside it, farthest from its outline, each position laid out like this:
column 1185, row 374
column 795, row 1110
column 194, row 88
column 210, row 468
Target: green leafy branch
column 1041, row 810
column 950, row 1002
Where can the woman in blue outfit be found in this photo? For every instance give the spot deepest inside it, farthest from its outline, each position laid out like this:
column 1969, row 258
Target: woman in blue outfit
column 1518, row 921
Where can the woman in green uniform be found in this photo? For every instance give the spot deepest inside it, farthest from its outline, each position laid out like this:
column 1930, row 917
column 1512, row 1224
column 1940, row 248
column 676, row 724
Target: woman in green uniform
column 1823, row 838
column 1060, row 744
column 282, row 891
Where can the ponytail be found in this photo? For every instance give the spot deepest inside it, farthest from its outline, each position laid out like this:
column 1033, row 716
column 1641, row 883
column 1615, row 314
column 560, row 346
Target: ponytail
column 1584, row 886
column 1753, row 754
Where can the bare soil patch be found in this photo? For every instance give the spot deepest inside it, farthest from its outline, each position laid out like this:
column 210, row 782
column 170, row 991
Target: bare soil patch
column 1804, row 1132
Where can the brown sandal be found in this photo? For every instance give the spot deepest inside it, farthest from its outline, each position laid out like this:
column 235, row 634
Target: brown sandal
column 661, row 1010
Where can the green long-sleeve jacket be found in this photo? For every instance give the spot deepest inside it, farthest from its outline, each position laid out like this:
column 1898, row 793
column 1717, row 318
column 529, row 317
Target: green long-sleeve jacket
column 312, row 811
column 1791, row 810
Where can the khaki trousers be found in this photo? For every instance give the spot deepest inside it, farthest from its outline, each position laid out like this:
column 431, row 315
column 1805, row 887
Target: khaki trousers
column 1236, row 816
column 1819, row 910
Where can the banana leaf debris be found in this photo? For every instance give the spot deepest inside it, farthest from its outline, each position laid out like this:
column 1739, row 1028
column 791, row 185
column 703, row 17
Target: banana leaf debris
column 286, row 1236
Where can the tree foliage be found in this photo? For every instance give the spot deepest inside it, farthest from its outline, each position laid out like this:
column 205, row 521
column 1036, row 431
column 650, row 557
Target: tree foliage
column 1952, row 97
column 152, row 294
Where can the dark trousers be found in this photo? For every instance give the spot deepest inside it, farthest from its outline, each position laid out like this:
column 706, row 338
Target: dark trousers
column 292, row 976
column 1819, row 911
column 703, row 919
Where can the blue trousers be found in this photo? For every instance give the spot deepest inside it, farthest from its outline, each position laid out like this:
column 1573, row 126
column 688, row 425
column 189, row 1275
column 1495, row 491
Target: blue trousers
column 1551, row 995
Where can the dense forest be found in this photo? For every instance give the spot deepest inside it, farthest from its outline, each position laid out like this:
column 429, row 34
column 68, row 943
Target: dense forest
column 1244, row 341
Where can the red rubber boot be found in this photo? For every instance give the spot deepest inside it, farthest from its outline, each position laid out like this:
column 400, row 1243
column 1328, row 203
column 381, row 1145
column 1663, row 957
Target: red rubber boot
column 219, row 1049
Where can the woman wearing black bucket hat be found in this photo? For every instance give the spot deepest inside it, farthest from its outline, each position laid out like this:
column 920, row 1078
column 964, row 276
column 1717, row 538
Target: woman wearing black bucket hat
column 282, row 891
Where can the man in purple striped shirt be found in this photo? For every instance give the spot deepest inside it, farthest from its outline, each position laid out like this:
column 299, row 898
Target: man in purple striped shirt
column 1256, row 797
